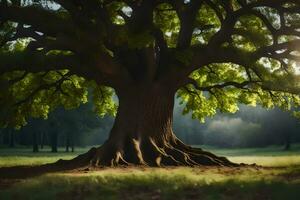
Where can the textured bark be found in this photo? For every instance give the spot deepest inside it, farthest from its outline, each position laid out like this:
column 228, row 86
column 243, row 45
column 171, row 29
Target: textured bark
column 142, row 135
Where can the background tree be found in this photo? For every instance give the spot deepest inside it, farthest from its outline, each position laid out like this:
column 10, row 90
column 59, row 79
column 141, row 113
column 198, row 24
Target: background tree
column 70, row 128
column 9, row 138
column 75, row 124
column 248, row 128
column 214, row 54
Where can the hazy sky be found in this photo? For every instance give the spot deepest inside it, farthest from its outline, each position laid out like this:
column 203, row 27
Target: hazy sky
column 249, row 125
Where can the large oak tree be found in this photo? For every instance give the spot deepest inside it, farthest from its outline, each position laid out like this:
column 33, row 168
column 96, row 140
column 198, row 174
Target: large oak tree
column 212, row 54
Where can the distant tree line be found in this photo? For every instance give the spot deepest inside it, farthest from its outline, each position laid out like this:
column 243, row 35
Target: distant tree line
column 79, row 127
column 250, row 127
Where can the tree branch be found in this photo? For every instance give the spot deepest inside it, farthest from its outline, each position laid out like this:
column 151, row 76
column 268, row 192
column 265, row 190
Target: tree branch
column 36, row 17
column 241, row 85
column 35, row 62
column 187, row 15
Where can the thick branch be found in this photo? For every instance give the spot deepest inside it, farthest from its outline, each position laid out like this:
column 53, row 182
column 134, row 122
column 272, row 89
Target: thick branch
column 36, row 62
column 187, row 15
column 41, row 20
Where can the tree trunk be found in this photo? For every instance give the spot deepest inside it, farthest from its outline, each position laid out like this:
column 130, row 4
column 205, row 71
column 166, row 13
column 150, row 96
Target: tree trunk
column 72, row 144
column 6, row 138
column 42, row 139
column 287, row 145
column 1, row 138
column 142, row 135
column 11, row 139
column 54, row 142
column 67, row 142
column 35, row 142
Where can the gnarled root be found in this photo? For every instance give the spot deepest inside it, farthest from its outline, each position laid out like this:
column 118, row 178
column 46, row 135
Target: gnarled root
column 149, row 153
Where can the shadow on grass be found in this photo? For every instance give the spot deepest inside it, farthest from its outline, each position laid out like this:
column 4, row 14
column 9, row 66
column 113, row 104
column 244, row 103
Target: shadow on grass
column 23, row 172
column 150, row 186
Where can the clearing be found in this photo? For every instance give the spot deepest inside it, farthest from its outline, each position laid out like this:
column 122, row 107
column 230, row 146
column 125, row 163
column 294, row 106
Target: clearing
column 278, row 179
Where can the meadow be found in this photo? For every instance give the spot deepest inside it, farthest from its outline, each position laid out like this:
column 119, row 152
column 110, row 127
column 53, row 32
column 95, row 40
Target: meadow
column 278, row 179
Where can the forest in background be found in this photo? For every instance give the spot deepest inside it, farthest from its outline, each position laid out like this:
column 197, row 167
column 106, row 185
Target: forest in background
column 249, row 127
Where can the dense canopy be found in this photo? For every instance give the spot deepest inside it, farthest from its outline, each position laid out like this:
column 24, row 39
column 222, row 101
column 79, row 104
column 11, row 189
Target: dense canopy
column 222, row 52
column 213, row 54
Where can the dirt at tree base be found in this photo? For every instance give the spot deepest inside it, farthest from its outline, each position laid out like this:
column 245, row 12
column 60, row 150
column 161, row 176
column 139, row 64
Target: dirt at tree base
column 12, row 175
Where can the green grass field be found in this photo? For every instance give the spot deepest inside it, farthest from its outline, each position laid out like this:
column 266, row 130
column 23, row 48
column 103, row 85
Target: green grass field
column 280, row 180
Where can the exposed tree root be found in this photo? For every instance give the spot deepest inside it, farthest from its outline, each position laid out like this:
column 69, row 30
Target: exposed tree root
column 132, row 153
column 148, row 153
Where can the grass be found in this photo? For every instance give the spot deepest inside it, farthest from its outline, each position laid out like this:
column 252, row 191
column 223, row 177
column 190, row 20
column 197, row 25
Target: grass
column 174, row 183
column 272, row 156
column 24, row 156
column 282, row 181
column 269, row 156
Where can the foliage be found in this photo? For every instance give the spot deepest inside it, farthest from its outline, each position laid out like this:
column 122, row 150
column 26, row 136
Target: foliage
column 234, row 52
column 26, row 94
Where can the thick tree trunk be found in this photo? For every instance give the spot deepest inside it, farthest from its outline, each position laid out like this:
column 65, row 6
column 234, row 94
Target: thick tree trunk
column 35, row 146
column 142, row 135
